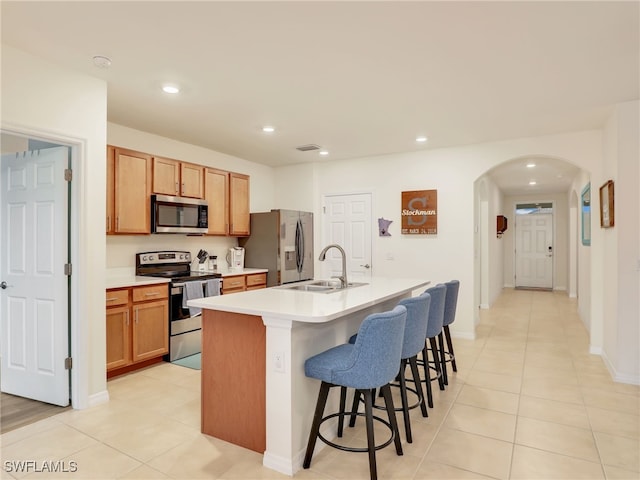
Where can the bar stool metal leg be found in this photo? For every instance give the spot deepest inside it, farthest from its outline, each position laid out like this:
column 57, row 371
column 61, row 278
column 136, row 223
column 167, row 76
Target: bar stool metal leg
column 317, row 419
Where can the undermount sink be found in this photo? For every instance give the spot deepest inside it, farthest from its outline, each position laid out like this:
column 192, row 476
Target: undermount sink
column 323, row 286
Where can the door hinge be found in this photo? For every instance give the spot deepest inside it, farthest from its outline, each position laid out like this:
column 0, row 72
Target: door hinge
column 67, row 269
column 68, row 174
column 68, row 363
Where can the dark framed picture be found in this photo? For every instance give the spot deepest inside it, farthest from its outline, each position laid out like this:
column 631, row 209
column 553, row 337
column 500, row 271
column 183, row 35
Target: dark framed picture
column 607, row 212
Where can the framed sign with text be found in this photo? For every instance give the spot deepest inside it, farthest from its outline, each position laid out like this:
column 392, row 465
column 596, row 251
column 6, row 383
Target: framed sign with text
column 420, row 212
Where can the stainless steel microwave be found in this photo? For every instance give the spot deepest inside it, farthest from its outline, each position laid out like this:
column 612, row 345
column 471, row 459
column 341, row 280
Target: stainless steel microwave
column 178, row 215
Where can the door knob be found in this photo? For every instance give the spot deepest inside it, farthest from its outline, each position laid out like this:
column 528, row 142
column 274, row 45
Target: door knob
column 3, row 285
column 366, row 265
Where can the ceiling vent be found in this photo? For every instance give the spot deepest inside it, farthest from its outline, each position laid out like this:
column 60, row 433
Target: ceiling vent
column 308, row 148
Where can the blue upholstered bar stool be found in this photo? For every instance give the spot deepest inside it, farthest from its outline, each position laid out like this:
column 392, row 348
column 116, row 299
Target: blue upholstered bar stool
column 372, row 362
column 450, row 303
column 414, row 332
column 434, row 327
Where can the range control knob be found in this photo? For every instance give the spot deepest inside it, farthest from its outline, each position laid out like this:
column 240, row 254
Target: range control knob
column 181, row 257
column 144, row 258
column 150, row 257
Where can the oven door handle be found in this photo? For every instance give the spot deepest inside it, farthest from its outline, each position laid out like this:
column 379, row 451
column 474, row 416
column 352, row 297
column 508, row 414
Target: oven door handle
column 202, row 282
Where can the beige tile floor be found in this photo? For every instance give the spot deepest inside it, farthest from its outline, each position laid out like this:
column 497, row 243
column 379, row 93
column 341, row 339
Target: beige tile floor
column 528, row 402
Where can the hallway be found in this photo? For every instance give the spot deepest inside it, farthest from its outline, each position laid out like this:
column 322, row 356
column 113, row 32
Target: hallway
column 528, row 402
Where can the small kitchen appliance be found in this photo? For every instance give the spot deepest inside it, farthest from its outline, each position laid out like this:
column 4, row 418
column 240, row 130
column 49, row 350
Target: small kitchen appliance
column 179, row 215
column 185, row 324
column 235, row 258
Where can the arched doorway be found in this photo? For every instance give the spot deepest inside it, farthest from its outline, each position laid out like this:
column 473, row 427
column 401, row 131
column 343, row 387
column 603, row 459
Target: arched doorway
column 497, row 192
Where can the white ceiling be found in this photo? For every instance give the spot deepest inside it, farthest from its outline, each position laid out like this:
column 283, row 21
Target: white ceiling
column 357, row 78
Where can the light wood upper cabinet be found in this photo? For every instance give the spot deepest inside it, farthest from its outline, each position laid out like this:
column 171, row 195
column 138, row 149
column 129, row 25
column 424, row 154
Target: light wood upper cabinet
column 239, row 204
column 166, row 176
column 171, row 177
column 216, row 192
column 111, row 166
column 192, row 178
column 131, row 178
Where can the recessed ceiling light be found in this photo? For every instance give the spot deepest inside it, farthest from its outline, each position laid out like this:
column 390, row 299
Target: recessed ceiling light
column 323, row 152
column 101, row 61
column 170, row 89
column 531, row 165
column 421, row 139
column 532, row 182
column 268, row 129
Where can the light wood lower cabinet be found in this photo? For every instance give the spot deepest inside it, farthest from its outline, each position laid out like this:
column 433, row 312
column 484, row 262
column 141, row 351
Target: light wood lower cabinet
column 137, row 326
column 242, row 283
column 256, row 281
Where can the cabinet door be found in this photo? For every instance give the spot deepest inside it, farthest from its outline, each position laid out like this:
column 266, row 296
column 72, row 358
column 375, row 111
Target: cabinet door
column 132, row 191
column 256, row 281
column 233, row 284
column 111, row 166
column 166, row 176
column 239, row 204
column 192, row 177
column 150, row 330
column 118, row 338
column 216, row 191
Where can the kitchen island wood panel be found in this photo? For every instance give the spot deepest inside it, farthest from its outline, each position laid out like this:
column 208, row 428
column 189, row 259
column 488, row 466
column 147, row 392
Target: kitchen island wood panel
column 234, row 378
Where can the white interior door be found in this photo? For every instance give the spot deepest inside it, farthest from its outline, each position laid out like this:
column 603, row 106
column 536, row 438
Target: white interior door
column 534, row 250
column 347, row 222
column 33, row 300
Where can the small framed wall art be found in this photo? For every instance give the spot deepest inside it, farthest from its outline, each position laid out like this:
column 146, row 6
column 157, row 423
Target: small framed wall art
column 607, row 212
column 420, row 212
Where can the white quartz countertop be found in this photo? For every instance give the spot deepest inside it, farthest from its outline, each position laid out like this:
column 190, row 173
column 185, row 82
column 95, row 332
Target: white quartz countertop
column 133, row 281
column 126, row 277
column 310, row 307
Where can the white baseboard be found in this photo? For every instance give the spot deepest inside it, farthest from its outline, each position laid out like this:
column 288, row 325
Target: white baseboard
column 619, row 377
column 98, row 398
column 278, row 463
column 484, row 306
column 595, row 350
column 464, row 335
column 291, row 466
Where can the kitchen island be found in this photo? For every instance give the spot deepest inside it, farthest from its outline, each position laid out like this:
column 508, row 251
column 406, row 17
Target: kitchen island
column 254, row 390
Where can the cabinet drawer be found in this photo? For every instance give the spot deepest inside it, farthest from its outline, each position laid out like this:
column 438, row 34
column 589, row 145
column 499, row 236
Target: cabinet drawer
column 117, row 297
column 233, row 283
column 152, row 292
column 256, row 279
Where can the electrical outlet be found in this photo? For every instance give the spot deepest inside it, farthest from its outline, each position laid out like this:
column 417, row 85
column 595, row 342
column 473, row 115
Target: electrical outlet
column 278, row 362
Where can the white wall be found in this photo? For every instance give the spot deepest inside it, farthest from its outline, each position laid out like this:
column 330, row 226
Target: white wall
column 620, row 302
column 453, row 172
column 44, row 100
column 121, row 249
column 560, row 237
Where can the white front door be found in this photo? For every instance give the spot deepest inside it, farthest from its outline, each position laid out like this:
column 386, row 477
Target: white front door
column 347, row 222
column 33, row 299
column 534, row 250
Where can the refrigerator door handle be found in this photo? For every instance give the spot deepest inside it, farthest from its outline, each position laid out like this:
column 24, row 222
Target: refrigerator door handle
column 299, row 246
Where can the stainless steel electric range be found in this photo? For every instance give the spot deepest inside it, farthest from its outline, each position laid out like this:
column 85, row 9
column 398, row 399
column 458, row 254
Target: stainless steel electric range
column 185, row 324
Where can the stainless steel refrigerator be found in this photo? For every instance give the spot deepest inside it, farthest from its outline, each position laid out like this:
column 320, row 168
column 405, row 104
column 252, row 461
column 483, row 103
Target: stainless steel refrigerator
column 282, row 241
